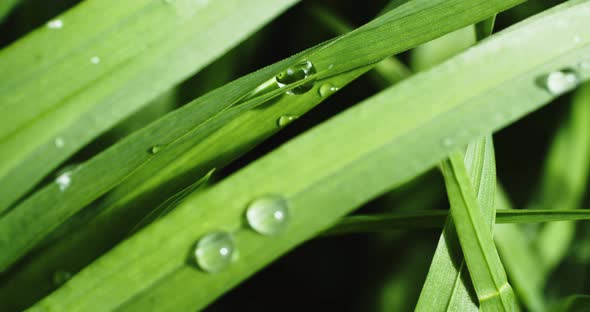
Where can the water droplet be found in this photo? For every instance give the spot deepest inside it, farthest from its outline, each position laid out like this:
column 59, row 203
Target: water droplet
column 64, row 176
column 285, row 120
column 577, row 39
column 214, row 251
column 55, row 24
column 268, row 214
column 59, row 142
column 447, row 142
column 155, row 149
column 294, row 74
column 327, row 89
column 95, row 60
column 60, row 277
column 561, row 81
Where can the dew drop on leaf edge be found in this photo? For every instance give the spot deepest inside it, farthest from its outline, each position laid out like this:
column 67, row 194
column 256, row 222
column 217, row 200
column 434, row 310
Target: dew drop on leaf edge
column 214, row 251
column 327, row 89
column 295, row 73
column 284, row 120
column 268, row 215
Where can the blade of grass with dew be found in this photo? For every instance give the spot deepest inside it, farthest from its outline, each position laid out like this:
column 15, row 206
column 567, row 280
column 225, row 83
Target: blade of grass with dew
column 436, row 218
column 178, row 133
column 85, row 65
column 326, row 168
column 483, row 262
column 565, row 178
column 137, row 191
column 448, row 286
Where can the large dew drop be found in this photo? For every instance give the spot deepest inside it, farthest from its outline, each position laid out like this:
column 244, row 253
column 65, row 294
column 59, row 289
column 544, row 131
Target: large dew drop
column 294, row 74
column 268, row 214
column 214, row 251
column 561, row 81
column 327, row 89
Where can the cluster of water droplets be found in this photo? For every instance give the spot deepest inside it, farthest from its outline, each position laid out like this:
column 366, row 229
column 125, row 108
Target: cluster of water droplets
column 266, row 215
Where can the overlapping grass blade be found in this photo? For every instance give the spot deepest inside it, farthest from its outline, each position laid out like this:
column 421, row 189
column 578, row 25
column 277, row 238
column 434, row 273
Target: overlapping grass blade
column 180, row 130
column 66, row 83
column 327, row 167
column 474, row 233
column 565, row 178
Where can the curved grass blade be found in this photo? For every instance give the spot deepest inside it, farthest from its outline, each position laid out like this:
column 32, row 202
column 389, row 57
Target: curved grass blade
column 71, row 80
column 326, row 168
column 181, row 130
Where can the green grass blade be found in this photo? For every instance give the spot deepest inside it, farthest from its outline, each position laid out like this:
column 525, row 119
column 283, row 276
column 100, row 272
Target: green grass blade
column 326, row 168
column 436, row 218
column 565, row 177
column 485, row 268
column 61, row 87
column 181, row 130
column 387, row 71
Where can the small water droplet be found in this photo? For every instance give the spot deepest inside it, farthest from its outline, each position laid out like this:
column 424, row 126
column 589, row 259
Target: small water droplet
column 60, row 277
column 294, row 74
column 63, row 177
column 577, row 39
column 285, row 120
column 59, row 142
column 155, row 149
column 447, row 142
column 268, row 215
column 561, row 81
column 55, row 24
column 214, row 251
column 95, row 60
column 327, row 89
